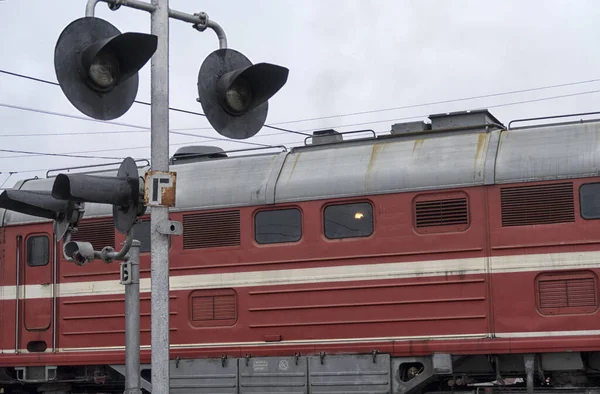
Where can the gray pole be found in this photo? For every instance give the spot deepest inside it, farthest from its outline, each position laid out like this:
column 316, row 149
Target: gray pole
column 132, row 323
column 160, row 162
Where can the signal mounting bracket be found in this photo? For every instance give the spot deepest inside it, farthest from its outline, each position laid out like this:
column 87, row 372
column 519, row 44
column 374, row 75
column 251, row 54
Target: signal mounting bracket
column 203, row 21
column 170, row 227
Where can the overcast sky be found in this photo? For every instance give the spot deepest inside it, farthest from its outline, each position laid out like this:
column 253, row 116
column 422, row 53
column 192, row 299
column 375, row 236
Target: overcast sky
column 344, row 57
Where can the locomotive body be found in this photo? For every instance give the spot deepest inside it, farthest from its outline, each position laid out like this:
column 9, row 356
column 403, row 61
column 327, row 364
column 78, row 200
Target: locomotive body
column 436, row 257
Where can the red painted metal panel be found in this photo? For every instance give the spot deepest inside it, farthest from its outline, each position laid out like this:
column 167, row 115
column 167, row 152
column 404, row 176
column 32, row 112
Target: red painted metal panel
column 37, row 281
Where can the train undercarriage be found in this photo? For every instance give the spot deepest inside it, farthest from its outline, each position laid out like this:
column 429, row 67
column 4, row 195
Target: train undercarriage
column 573, row 372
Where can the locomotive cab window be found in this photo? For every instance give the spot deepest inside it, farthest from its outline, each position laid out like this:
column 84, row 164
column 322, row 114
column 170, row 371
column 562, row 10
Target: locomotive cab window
column 38, row 251
column 589, row 200
column 278, row 226
column 348, row 220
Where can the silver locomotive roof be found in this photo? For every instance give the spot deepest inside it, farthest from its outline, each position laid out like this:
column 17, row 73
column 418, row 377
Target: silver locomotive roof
column 456, row 150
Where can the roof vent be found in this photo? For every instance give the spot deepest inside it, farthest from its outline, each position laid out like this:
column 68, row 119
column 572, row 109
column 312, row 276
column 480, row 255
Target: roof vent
column 454, row 120
column 328, row 136
column 190, row 154
column 410, row 127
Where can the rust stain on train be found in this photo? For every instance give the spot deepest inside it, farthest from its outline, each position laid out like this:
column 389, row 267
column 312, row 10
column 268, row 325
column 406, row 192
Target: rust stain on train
column 294, row 165
column 480, row 151
column 418, row 145
column 375, row 153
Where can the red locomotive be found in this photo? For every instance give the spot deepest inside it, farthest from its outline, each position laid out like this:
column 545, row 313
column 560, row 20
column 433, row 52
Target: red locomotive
column 452, row 255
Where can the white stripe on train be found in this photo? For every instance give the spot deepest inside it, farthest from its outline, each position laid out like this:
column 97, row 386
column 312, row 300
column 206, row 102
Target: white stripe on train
column 464, row 337
column 346, row 273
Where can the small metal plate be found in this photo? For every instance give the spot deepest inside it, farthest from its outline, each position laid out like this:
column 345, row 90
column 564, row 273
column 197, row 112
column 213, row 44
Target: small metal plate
column 273, row 375
column 159, row 188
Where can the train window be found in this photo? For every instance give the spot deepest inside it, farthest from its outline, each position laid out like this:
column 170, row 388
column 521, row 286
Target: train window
column 141, row 232
column 38, row 251
column 281, row 225
column 348, row 220
column 589, row 200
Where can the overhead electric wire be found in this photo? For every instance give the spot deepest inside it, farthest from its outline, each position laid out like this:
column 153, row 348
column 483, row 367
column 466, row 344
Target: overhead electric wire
column 142, row 102
column 439, row 102
column 338, row 126
column 302, row 132
column 263, row 145
column 125, row 124
column 486, row 107
column 60, row 154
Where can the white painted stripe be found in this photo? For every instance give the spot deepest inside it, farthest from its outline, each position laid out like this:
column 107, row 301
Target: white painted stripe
column 464, row 337
column 573, row 333
column 346, row 273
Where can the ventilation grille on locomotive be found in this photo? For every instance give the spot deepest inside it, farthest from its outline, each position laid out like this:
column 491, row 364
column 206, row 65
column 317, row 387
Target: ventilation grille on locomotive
column 441, row 215
column 541, row 204
column 211, row 230
column 213, row 308
column 569, row 293
column 98, row 233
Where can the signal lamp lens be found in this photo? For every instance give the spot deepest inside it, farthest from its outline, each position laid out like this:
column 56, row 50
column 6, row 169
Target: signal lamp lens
column 239, row 96
column 104, row 70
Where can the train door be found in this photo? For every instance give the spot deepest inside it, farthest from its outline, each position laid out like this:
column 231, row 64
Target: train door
column 36, row 292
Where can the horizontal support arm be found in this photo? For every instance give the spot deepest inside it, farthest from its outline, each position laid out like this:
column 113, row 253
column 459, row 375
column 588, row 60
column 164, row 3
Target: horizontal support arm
column 200, row 20
column 140, row 5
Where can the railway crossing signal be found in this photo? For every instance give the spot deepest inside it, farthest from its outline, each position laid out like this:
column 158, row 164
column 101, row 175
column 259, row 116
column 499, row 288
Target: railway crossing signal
column 234, row 93
column 64, row 214
column 123, row 192
column 97, row 66
column 97, row 69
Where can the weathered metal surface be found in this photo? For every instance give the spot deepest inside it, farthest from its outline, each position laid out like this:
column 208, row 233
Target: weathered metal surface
column 203, row 376
column 350, row 374
column 160, row 188
column 396, row 165
column 235, row 181
column 547, row 153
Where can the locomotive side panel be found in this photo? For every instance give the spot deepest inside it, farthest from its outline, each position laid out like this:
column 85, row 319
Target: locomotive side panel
column 404, row 278
column 544, row 259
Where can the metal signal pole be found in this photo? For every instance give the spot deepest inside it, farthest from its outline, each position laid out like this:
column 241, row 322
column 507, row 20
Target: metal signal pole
column 105, row 88
column 160, row 214
column 159, row 182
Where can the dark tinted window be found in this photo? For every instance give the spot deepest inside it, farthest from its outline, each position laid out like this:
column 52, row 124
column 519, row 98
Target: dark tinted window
column 282, row 225
column 589, row 200
column 38, row 251
column 141, row 232
column 348, row 220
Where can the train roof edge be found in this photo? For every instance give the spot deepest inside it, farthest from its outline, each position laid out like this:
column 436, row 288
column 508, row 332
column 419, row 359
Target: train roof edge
column 452, row 150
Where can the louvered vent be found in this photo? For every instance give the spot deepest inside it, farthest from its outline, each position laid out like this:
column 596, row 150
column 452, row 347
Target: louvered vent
column 541, row 204
column 211, row 230
column 442, row 212
column 98, row 233
column 575, row 293
column 436, row 215
column 213, row 308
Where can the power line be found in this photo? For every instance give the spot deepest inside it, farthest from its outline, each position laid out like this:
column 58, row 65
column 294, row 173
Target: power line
column 337, row 126
column 486, row 107
column 174, row 131
column 60, row 154
column 142, row 102
column 295, row 142
column 440, row 102
column 125, row 124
